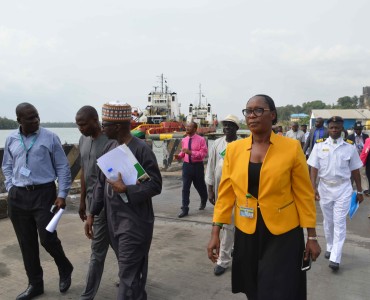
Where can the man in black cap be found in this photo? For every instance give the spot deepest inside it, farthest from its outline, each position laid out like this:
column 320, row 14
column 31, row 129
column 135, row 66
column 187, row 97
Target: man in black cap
column 334, row 161
column 358, row 137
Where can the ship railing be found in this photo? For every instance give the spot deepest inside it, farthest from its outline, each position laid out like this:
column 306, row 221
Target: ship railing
column 145, row 127
column 165, row 130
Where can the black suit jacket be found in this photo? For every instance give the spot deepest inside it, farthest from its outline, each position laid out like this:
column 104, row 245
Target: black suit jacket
column 308, row 145
column 352, row 137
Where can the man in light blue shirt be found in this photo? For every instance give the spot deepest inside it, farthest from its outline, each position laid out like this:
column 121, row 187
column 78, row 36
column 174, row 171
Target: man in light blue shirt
column 33, row 160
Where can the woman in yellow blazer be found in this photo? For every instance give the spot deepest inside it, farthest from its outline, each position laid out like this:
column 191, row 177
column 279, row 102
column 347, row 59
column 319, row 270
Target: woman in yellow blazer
column 265, row 179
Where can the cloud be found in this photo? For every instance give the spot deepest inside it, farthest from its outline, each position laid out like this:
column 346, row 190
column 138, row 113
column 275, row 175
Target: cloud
column 271, row 34
column 16, row 42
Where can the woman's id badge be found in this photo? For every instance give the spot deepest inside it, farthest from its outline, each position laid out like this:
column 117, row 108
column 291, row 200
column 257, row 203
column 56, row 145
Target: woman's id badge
column 247, row 212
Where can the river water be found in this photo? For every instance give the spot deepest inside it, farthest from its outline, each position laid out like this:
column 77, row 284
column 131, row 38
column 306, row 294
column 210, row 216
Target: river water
column 66, row 135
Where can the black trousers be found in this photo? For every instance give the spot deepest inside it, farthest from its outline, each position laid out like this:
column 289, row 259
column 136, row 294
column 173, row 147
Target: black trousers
column 133, row 255
column 193, row 173
column 30, row 213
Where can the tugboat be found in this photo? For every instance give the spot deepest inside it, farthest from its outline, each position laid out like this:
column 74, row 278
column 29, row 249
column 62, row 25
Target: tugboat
column 202, row 115
column 162, row 113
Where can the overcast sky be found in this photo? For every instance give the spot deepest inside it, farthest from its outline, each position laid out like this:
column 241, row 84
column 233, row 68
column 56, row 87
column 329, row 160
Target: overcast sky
column 61, row 55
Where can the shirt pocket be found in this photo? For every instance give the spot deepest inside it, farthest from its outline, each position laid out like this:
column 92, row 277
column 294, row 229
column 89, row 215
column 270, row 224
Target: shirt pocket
column 344, row 161
column 323, row 157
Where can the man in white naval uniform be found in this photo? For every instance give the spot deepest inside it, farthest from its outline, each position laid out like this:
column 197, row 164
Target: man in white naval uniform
column 213, row 176
column 333, row 160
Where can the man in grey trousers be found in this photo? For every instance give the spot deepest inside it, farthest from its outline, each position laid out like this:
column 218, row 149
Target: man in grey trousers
column 91, row 145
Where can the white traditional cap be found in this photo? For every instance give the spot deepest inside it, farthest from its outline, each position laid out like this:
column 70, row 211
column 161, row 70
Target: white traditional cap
column 233, row 119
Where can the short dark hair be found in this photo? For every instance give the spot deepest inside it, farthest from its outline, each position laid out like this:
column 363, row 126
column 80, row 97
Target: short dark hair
column 21, row 106
column 271, row 105
column 88, row 111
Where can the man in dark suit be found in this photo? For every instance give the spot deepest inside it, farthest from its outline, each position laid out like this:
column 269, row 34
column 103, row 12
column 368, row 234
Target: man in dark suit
column 358, row 137
column 316, row 133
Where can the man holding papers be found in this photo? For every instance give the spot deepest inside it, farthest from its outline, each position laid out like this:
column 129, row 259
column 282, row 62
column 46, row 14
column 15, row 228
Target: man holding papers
column 128, row 206
column 334, row 160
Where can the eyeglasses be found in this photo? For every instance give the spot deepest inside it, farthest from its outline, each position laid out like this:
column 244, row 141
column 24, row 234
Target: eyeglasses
column 107, row 124
column 256, row 111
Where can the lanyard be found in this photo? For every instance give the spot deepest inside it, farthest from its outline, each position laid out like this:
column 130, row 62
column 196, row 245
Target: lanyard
column 29, row 147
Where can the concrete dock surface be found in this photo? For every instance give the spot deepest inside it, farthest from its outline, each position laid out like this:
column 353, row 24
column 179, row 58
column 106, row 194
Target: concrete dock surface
column 178, row 263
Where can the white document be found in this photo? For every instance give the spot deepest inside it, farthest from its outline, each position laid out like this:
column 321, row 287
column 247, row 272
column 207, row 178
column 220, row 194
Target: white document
column 54, row 221
column 120, row 159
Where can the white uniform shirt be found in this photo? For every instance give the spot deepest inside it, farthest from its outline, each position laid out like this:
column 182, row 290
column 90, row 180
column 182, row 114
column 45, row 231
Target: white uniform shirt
column 334, row 161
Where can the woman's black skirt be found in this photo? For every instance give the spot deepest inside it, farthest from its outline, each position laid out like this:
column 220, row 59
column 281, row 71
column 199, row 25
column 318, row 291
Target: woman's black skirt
column 267, row 266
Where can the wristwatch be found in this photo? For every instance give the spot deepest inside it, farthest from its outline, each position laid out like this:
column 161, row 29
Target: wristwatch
column 360, row 193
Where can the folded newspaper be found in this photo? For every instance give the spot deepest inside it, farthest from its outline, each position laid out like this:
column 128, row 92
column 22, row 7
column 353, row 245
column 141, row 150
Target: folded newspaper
column 122, row 160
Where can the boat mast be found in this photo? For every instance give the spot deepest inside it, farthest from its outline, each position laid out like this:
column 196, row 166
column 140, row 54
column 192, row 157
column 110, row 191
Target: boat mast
column 162, row 82
column 200, row 94
column 164, row 96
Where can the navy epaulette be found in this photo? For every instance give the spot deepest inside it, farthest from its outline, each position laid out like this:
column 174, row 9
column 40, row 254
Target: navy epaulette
column 348, row 141
column 320, row 140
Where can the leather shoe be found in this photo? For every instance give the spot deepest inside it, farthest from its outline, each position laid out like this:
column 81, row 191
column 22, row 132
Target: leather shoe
column 334, row 266
column 32, row 291
column 202, row 206
column 327, row 254
column 219, row 270
column 182, row 214
column 65, row 280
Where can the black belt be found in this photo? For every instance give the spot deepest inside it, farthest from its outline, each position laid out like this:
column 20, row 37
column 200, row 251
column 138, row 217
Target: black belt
column 36, row 186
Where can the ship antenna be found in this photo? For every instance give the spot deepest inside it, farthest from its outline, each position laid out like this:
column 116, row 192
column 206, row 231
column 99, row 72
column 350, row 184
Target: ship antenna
column 200, row 94
column 162, row 82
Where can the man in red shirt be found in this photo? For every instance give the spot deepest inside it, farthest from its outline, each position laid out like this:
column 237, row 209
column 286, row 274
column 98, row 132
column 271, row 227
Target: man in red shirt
column 194, row 150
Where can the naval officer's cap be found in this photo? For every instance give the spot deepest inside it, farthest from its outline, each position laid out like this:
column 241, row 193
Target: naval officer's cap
column 358, row 125
column 335, row 119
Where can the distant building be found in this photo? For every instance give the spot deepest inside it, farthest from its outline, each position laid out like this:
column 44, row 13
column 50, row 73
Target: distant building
column 350, row 116
column 297, row 117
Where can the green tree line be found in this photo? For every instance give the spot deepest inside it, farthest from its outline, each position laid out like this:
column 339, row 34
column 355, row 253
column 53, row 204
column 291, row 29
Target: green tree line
column 346, row 102
column 6, row 123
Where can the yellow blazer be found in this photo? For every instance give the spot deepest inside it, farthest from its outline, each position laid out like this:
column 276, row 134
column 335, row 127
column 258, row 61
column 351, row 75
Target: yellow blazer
column 285, row 195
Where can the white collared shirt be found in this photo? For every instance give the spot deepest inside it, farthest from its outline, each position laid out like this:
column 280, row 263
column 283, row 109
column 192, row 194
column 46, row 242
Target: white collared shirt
column 334, row 160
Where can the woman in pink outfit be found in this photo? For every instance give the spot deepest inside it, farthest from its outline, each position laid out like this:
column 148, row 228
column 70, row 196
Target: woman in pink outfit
column 366, row 161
